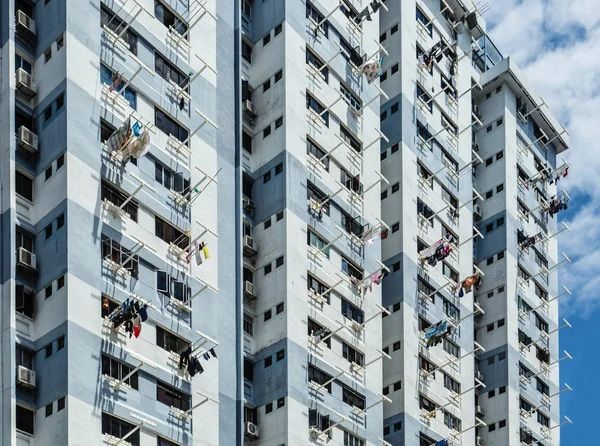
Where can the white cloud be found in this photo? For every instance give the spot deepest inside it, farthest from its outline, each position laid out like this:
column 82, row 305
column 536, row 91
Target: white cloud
column 557, row 43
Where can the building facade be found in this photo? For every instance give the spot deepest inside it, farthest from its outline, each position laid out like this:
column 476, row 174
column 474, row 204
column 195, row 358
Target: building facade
column 96, row 232
column 471, row 156
column 274, row 223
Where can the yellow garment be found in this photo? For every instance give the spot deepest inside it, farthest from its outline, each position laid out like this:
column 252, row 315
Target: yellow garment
column 205, row 252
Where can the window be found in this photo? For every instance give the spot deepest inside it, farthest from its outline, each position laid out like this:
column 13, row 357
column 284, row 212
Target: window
column 164, row 442
column 490, row 327
column 319, row 288
column 169, row 127
column 279, row 216
column 543, row 419
column 317, row 17
column 268, row 269
column 267, row 131
column 280, row 355
column 280, row 403
column 382, row 37
column 170, row 234
column 394, row 29
column 278, row 122
column 117, row 370
column 490, row 360
column 25, row 419
column 451, row 421
column 318, row 108
column 449, row 272
column 278, row 29
column 314, row 60
column 425, row 403
column 422, row 18
column 396, row 307
column 279, row 262
column 317, row 152
column 172, row 397
column 267, row 177
column 267, row 39
column 350, row 139
column 542, row 387
column 24, row 186
column 165, row 16
column 492, row 427
column 24, row 357
column 60, row 41
column 353, row 398
column 384, row 194
column 268, row 223
column 47, row 54
column 396, row 346
column 397, row 426
column 349, row 268
column 246, row 141
column 169, row 286
column 351, row 311
column 248, row 325
column 499, row 188
column 351, row 99
column 24, row 301
column 491, row 394
column 115, row 24
column 110, row 193
column 352, row 354
column 501, row 356
column 60, row 343
column 451, row 347
column 501, row 323
column 501, row 424
column 317, row 242
column 351, row 440
column 49, row 409
column 246, row 51
column 319, row 377
column 317, row 330
column 395, row 227
column 383, row 76
column 425, row 98
column 48, row 291
column 499, row 122
column 268, row 361
column 169, row 341
column 490, row 261
column 266, row 85
column 279, row 308
column 48, row 350
column 540, row 323
column 502, row 390
column 386, row 431
column 48, row 173
column 383, row 116
column 451, row 384
column 267, row 315
column 169, row 178
column 119, row 428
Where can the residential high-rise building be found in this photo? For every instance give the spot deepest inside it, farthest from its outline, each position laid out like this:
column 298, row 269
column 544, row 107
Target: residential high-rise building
column 471, row 156
column 115, row 184
column 274, row 223
column 312, row 364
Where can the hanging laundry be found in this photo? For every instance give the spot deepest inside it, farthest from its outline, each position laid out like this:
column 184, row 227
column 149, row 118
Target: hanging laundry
column 181, row 103
column 384, row 234
column 372, row 68
column 437, row 332
column 137, row 128
column 143, row 312
column 136, row 331
column 198, row 254
column 441, row 443
column 205, row 251
column 117, row 79
column 184, row 357
column 212, row 352
column 194, row 366
column 137, row 325
column 367, row 284
column 469, row 282
column 206, row 357
column 377, row 277
column 430, row 251
column 119, row 138
column 138, row 146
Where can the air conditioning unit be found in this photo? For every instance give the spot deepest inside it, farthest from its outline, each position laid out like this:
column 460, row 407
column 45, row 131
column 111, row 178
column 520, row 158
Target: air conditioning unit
column 478, row 441
column 248, row 288
column 25, row 83
column 479, row 410
column 25, row 377
column 249, row 108
column 248, row 204
column 26, row 22
column 251, row 429
column 249, row 246
column 26, row 258
column 27, row 139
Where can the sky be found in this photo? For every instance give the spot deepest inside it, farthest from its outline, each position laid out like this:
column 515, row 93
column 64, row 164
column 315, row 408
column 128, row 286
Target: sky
column 556, row 43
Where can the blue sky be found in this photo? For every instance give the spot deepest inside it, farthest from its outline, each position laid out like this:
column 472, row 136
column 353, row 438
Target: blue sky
column 557, row 44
